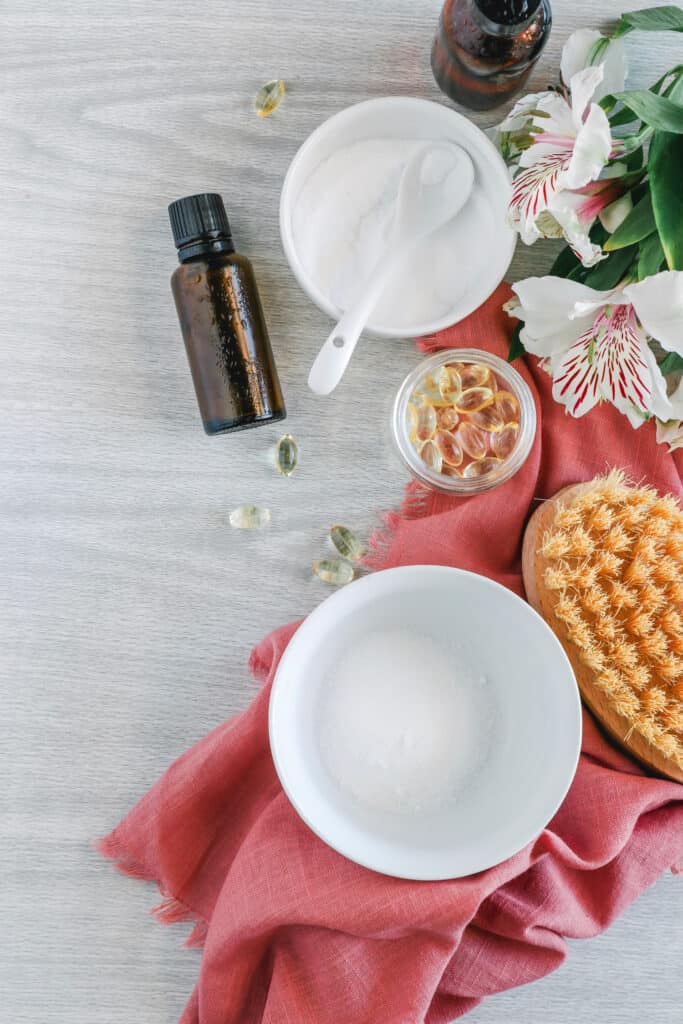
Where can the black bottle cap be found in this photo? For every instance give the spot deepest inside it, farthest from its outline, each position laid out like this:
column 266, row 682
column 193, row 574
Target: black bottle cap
column 200, row 218
column 508, row 12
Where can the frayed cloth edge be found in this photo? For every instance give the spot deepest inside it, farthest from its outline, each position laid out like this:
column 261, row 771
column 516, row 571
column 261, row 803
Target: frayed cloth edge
column 418, row 502
column 171, row 909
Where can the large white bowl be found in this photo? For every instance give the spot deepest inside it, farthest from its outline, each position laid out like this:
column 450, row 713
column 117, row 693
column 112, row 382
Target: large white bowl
column 536, row 724
column 404, row 117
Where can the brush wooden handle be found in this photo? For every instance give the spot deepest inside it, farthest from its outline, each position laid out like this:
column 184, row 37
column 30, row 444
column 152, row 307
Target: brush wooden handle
column 544, row 601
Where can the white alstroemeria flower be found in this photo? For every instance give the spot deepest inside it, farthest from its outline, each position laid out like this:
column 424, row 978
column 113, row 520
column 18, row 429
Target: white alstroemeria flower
column 579, row 52
column 574, row 213
column 519, row 117
column 512, row 135
column 562, row 142
column 571, row 145
column 670, row 433
column 595, row 343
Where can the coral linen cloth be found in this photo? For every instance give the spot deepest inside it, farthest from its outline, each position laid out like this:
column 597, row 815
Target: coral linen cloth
column 292, row 932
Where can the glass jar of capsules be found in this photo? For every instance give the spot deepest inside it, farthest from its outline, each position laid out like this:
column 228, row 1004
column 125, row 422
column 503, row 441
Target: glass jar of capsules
column 463, row 421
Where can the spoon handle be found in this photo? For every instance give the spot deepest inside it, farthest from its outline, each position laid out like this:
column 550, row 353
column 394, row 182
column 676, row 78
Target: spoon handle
column 333, row 358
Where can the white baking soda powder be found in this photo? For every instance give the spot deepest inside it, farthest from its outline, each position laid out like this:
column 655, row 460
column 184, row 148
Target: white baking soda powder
column 341, row 222
column 403, row 721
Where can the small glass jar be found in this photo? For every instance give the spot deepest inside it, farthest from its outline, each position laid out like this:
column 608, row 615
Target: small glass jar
column 424, row 387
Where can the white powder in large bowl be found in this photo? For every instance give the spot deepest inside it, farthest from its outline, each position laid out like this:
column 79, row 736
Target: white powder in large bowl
column 403, row 721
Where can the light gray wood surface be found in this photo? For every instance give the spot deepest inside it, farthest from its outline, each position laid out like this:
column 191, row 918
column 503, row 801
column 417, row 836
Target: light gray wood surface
column 128, row 606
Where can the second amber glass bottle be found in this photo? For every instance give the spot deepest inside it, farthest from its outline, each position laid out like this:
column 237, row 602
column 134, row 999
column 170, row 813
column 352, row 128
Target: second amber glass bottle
column 484, row 50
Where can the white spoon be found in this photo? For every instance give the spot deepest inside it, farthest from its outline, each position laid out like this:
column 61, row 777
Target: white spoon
column 428, row 197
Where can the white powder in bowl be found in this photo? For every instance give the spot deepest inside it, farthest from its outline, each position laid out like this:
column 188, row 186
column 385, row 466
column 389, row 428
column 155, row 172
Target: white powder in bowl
column 403, row 721
column 341, row 224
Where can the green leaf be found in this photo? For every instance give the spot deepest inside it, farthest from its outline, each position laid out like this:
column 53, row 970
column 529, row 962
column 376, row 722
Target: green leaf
column 637, row 225
column 664, row 164
column 609, row 272
column 516, row 348
column 639, row 191
column 635, row 143
column 671, row 363
column 578, row 274
column 597, row 50
column 657, row 87
column 634, row 159
column 657, row 111
column 650, row 256
column 598, row 234
column 565, row 262
column 674, row 90
column 621, row 117
column 652, row 19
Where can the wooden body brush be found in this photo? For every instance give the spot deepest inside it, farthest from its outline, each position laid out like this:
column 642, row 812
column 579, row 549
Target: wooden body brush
column 603, row 564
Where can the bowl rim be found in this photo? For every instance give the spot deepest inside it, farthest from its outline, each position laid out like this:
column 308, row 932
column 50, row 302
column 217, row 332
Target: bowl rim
column 278, row 693
column 476, row 295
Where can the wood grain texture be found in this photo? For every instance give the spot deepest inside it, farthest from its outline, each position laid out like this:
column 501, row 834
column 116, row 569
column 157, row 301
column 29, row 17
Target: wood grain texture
column 128, row 606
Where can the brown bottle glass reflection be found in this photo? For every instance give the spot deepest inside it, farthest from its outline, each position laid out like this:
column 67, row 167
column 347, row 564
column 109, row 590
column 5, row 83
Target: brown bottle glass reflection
column 484, row 50
column 227, row 344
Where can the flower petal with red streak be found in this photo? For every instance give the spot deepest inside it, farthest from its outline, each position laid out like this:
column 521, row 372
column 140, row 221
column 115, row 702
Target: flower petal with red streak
column 532, row 191
column 608, row 360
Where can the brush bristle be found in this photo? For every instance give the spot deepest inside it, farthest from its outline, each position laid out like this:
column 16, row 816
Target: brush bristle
column 614, row 560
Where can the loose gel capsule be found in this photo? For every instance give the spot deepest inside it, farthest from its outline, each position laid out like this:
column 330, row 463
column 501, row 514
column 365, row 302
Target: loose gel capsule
column 447, row 418
column 426, row 422
column 450, row 450
column 473, row 399
column 411, row 415
column 346, row 543
column 450, row 384
column 431, row 456
column 480, row 468
column 286, row 455
column 428, row 392
column 336, row 571
column 507, row 405
column 503, row 443
column 249, row 517
column 268, row 97
column 472, row 440
column 474, row 375
column 488, row 418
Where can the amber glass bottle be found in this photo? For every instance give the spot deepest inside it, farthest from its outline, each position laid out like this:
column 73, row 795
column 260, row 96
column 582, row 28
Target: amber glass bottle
column 484, row 49
column 222, row 320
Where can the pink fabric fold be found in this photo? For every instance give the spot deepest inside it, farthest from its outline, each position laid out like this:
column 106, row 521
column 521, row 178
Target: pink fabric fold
column 292, row 931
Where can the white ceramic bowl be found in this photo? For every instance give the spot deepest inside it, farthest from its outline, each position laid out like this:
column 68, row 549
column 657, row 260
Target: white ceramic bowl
column 535, row 734
column 409, row 118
